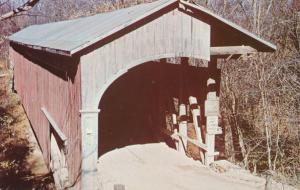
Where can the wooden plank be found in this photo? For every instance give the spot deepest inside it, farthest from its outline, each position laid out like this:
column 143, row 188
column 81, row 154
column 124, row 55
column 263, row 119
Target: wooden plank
column 58, row 166
column 193, row 141
column 204, row 31
column 196, row 114
column 177, row 33
column 3, row 75
column 232, row 50
column 169, row 32
column 182, row 128
column 149, row 39
column 186, row 34
column 210, row 143
column 55, row 126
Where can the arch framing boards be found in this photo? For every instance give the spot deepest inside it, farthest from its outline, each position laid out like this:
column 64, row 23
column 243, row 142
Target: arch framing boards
column 114, row 77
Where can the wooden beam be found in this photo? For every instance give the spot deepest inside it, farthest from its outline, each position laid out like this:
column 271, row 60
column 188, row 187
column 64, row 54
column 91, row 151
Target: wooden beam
column 3, row 75
column 232, row 50
column 186, row 138
column 177, row 137
column 182, row 129
column 54, row 125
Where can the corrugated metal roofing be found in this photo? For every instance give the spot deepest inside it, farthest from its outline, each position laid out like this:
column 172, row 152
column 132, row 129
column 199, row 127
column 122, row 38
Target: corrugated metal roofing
column 76, row 34
column 71, row 36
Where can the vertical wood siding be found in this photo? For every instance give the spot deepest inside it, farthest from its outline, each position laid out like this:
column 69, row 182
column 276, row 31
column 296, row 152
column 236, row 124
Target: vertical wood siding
column 43, row 87
column 172, row 34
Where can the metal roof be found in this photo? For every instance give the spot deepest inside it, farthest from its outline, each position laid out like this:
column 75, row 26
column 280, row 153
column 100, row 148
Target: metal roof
column 71, row 36
column 76, row 34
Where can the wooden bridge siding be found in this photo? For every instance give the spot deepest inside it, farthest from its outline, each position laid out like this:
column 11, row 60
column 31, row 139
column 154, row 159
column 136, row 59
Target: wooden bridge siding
column 38, row 88
column 173, row 34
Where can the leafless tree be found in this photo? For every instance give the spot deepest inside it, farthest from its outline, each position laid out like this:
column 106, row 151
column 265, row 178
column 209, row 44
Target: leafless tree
column 261, row 94
column 19, row 10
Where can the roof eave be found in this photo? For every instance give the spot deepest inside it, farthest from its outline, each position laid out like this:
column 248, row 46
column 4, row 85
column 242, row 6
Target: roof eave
column 258, row 43
column 264, row 46
column 45, row 49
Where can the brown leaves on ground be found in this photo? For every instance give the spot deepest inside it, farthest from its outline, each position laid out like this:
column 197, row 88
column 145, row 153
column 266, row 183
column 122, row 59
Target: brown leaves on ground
column 15, row 146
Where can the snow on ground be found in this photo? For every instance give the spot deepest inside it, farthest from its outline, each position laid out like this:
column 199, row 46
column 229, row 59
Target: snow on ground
column 156, row 166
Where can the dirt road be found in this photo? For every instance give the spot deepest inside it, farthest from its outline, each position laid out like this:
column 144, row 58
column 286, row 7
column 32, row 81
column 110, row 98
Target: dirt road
column 156, row 166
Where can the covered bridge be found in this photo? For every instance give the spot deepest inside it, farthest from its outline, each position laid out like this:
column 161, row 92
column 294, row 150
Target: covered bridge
column 88, row 82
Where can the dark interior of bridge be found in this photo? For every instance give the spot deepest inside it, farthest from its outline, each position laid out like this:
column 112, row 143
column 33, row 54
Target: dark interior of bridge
column 135, row 107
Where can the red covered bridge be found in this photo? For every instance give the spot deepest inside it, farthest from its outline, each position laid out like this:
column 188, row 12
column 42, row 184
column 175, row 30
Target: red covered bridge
column 127, row 63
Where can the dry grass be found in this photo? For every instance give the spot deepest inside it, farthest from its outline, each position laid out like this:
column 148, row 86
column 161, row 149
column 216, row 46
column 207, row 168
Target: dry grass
column 15, row 147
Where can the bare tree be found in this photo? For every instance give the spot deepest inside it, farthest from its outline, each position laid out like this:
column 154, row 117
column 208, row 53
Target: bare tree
column 261, row 95
column 19, row 10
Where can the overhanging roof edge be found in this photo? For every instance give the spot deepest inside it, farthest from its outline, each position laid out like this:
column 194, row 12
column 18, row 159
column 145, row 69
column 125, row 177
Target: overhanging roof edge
column 261, row 43
column 231, row 24
column 47, row 49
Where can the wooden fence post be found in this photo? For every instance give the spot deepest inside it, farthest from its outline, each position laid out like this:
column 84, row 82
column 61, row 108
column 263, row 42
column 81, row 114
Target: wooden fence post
column 212, row 128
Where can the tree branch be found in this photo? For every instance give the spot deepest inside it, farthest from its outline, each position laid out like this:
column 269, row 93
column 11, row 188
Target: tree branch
column 3, row 3
column 23, row 8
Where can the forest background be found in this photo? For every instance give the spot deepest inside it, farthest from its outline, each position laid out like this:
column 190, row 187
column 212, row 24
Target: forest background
column 260, row 94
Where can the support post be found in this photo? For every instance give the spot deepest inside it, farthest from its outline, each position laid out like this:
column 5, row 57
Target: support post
column 89, row 144
column 174, row 121
column 196, row 113
column 58, row 165
column 211, row 113
column 182, row 128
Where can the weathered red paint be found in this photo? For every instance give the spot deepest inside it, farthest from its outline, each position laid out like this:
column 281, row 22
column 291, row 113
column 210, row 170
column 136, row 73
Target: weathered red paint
column 40, row 85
